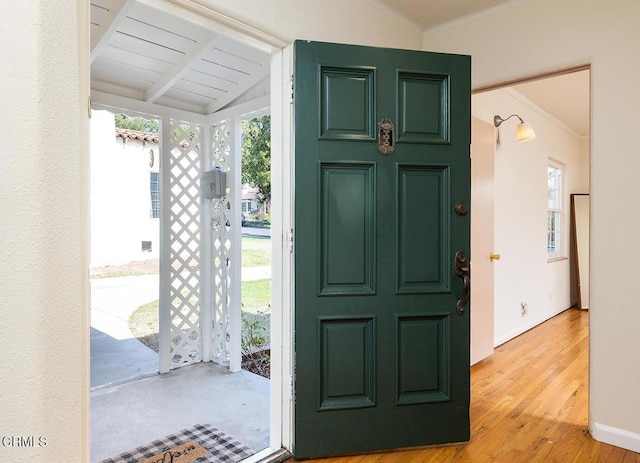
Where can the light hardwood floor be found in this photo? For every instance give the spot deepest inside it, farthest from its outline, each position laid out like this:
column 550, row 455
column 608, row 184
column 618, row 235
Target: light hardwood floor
column 529, row 403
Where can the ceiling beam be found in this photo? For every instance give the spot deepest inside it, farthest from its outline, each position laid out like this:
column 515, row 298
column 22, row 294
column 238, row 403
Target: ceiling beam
column 116, row 104
column 179, row 69
column 198, row 12
column 117, row 13
column 244, row 85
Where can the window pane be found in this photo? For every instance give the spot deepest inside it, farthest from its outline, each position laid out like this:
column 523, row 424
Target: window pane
column 553, row 199
column 553, row 232
column 155, row 197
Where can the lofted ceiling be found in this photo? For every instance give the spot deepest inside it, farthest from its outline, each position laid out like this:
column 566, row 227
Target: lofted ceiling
column 151, row 55
column 151, row 52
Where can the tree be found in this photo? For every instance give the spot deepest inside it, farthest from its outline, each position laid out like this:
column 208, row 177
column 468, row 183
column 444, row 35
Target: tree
column 256, row 156
column 136, row 123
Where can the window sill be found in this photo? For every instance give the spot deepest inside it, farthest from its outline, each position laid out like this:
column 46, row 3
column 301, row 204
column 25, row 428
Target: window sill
column 556, row 259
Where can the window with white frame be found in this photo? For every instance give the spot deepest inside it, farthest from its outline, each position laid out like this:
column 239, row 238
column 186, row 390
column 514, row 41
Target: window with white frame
column 554, row 210
column 155, row 196
column 247, row 205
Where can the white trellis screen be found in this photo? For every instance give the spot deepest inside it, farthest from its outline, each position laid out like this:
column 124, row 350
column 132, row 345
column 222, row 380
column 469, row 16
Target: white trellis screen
column 225, row 265
column 184, row 216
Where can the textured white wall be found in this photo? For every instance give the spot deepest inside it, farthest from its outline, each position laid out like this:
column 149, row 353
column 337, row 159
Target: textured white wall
column 43, row 230
column 361, row 22
column 528, row 38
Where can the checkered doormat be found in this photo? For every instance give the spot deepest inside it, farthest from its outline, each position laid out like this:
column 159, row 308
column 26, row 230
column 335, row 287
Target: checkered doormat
column 188, row 446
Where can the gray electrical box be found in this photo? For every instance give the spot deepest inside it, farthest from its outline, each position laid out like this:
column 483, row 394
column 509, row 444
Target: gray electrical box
column 213, row 184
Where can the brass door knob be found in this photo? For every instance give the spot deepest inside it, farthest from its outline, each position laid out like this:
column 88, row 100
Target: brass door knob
column 493, row 257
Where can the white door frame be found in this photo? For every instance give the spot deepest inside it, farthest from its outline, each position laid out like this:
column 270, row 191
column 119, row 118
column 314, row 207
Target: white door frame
column 282, row 204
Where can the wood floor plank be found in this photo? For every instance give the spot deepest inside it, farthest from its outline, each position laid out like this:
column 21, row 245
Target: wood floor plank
column 529, row 403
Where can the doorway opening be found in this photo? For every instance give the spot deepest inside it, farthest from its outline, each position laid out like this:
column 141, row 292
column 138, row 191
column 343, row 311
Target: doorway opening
column 199, row 77
column 140, row 406
column 256, row 243
column 530, row 256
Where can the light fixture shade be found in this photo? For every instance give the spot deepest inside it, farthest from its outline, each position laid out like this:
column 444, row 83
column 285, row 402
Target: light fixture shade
column 524, row 132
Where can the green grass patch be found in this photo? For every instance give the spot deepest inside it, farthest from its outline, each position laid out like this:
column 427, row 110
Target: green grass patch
column 256, row 296
column 256, row 303
column 256, row 252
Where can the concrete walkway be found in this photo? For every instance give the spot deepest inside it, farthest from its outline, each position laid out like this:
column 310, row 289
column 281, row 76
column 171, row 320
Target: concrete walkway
column 129, row 415
column 116, row 356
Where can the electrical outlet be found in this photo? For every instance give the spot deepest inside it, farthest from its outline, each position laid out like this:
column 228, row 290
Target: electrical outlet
column 523, row 308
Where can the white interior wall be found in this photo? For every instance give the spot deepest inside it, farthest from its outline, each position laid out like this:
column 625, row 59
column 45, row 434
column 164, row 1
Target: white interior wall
column 361, row 22
column 537, row 36
column 523, row 273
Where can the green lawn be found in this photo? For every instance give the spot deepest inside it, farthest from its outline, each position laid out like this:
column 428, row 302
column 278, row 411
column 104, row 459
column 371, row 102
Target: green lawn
column 256, row 296
column 256, row 252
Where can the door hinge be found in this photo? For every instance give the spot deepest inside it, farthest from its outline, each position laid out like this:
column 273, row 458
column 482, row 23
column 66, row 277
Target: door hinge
column 291, row 83
column 289, row 239
column 292, row 393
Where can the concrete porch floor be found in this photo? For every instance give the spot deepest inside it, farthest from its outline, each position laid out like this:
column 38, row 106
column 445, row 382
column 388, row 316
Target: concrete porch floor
column 128, row 415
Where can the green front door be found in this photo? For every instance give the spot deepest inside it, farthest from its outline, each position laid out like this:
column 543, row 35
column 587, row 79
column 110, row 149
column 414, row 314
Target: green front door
column 381, row 350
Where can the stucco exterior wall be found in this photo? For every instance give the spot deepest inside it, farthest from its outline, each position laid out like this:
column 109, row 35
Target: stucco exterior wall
column 44, row 231
column 120, row 195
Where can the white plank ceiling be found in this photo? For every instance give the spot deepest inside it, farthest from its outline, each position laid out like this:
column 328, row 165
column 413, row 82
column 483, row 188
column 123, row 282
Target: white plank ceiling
column 144, row 51
column 151, row 55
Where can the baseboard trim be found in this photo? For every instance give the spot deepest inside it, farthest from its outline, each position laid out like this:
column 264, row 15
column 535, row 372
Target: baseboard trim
column 616, row 436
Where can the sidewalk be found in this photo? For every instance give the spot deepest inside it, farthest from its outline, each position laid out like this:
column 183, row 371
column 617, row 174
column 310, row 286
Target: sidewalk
column 116, row 356
column 251, row 231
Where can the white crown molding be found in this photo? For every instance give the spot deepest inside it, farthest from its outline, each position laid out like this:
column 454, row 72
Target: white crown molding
column 542, row 112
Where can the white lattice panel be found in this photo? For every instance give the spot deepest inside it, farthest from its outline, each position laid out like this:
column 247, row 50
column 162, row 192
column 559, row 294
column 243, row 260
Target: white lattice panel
column 184, row 249
column 221, row 223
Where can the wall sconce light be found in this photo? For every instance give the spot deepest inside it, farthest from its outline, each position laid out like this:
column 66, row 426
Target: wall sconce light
column 524, row 131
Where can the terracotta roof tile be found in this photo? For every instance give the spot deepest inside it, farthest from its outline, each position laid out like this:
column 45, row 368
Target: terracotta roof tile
column 148, row 137
column 127, row 134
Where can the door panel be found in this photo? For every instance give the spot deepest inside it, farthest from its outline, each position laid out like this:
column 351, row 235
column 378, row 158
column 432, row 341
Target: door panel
column 424, row 361
column 415, row 92
column 347, row 103
column 347, row 362
column 347, row 229
column 423, row 229
column 382, row 357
